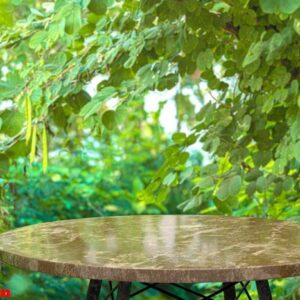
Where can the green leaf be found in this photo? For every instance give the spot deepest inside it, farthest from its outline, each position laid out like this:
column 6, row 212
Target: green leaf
column 73, row 19
column 296, row 26
column 262, row 158
column 268, row 104
column 4, row 165
column 295, row 128
column 297, row 151
column 223, row 191
column 60, row 118
column 251, row 188
column 153, row 186
column 106, row 93
column 279, row 6
column 278, row 188
column 56, row 30
column 183, row 157
column 261, row 184
column 109, row 119
column 90, row 108
column 45, row 149
column 19, row 149
column 12, row 86
column 254, row 52
column 294, row 89
column 206, row 182
column 98, row 7
column 270, row 6
column 162, row 195
column 246, row 123
column 186, row 174
column 130, row 62
column 183, row 204
column 6, row 13
column 234, row 185
column 179, row 137
column 288, row 183
column 279, row 166
column 77, row 101
column 225, row 121
column 33, row 144
column 193, row 203
column 13, row 122
column 253, row 175
column 169, row 179
column 28, row 112
column 223, row 206
column 205, row 59
column 211, row 169
column 255, row 83
column 275, row 43
column 190, row 140
column 190, row 203
column 38, row 40
column 94, row 105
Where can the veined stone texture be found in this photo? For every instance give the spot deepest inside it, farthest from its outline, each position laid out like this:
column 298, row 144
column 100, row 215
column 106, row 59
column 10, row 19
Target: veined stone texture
column 160, row 248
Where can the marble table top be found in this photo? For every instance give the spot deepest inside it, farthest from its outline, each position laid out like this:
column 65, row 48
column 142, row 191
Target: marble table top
column 162, row 249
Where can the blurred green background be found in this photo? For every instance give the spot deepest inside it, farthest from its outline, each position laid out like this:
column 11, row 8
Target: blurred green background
column 91, row 179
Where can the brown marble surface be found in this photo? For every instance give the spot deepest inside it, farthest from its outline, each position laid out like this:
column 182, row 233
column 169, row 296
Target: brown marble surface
column 158, row 248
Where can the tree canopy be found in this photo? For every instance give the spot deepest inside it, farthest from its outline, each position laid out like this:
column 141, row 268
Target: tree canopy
column 245, row 51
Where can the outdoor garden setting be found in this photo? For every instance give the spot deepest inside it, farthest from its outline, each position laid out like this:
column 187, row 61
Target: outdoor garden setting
column 160, row 139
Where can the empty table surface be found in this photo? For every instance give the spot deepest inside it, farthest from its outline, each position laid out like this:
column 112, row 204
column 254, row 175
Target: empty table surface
column 165, row 248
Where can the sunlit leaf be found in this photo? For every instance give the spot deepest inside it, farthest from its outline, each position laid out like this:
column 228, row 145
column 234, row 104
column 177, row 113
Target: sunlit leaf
column 28, row 111
column 109, row 119
column 33, row 144
column 45, row 149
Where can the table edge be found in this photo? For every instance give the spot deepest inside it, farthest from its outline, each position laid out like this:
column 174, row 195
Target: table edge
column 150, row 275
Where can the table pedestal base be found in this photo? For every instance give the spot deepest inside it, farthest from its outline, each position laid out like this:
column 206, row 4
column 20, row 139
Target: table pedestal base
column 124, row 292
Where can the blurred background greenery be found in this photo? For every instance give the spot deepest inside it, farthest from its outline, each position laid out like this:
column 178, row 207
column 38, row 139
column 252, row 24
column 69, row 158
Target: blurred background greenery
column 91, row 179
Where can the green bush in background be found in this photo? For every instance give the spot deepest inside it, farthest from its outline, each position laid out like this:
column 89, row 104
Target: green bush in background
column 77, row 186
column 92, row 180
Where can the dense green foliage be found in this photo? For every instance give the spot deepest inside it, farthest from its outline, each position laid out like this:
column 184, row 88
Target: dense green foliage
column 76, row 186
column 95, row 179
column 246, row 52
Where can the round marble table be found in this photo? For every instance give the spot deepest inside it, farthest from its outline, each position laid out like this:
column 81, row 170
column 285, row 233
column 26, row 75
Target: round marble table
column 153, row 250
